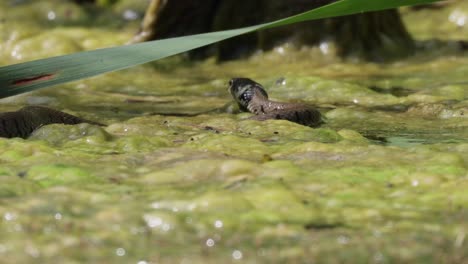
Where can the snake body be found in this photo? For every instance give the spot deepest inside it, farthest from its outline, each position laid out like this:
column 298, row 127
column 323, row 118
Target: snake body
column 252, row 97
column 23, row 122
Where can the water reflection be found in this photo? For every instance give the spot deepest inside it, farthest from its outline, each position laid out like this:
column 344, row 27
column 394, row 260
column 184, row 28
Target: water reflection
column 218, row 224
column 458, row 17
column 237, row 254
column 120, row 252
column 210, row 242
column 9, row 216
column 51, row 15
column 58, row 216
column 156, row 222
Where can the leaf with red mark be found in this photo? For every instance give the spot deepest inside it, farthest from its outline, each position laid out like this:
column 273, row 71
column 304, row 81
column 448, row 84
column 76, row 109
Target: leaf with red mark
column 30, row 80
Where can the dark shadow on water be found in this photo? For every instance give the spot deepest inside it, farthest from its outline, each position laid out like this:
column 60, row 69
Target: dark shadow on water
column 376, row 139
column 396, row 108
column 397, row 91
column 408, row 139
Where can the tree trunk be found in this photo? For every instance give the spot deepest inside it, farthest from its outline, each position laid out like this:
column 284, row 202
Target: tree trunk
column 376, row 36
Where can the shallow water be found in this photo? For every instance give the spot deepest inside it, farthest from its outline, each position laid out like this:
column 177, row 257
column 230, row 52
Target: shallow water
column 177, row 177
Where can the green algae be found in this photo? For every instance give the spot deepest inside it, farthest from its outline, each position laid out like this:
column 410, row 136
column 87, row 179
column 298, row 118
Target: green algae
column 175, row 177
column 13, row 185
column 58, row 174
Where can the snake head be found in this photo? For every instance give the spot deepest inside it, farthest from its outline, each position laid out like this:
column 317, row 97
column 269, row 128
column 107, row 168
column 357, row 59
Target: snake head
column 243, row 91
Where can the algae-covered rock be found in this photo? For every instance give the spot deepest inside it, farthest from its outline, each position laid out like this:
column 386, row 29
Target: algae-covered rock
column 281, row 130
column 24, row 38
column 58, row 174
column 13, row 185
column 204, row 169
column 22, row 152
column 59, row 134
column 42, row 46
column 321, row 91
column 230, row 145
column 353, row 136
column 274, row 203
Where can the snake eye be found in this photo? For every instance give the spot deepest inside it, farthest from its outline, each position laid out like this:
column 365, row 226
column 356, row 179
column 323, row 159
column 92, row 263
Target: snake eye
column 246, row 96
column 231, row 82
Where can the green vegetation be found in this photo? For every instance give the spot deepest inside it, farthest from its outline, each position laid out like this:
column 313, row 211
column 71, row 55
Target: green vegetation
column 383, row 181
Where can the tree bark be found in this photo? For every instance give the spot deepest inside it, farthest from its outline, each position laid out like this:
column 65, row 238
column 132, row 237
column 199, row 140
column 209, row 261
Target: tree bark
column 376, row 36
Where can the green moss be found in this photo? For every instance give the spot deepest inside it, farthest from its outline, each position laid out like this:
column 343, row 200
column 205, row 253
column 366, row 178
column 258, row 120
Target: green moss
column 274, row 204
column 230, row 145
column 58, row 134
column 12, row 185
column 352, row 136
column 20, row 151
column 59, row 174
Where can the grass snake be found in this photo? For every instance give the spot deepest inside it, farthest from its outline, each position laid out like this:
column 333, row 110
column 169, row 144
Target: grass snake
column 252, row 97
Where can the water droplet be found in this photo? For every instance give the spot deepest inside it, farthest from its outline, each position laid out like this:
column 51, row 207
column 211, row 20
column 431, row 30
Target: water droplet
column 415, row 183
column 58, row 216
column 218, row 223
column 210, row 242
column 51, row 15
column 9, row 216
column 458, row 17
column 153, row 221
column 130, row 15
column 324, row 47
column 237, row 254
column 16, row 53
column 280, row 50
column 120, row 252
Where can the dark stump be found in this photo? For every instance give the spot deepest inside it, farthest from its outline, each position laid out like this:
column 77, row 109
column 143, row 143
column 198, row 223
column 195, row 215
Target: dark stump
column 376, row 36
